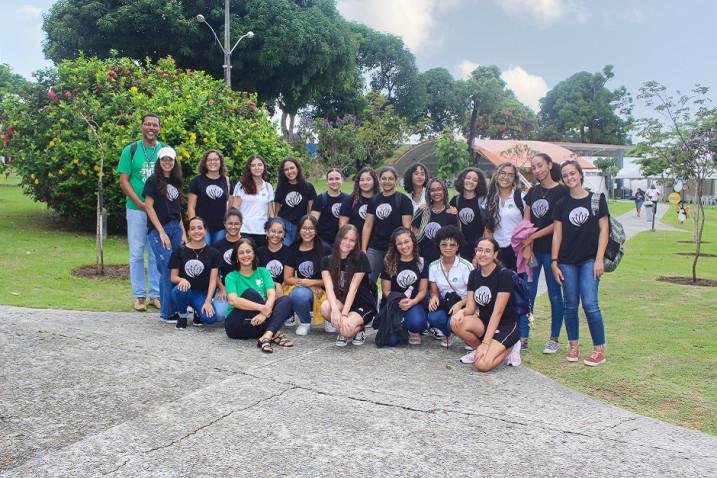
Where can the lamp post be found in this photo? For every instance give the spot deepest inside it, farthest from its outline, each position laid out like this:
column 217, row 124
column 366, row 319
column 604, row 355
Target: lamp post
column 227, row 42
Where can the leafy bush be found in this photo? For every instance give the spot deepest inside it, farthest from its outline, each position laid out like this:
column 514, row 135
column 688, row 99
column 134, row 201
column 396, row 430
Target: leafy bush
column 452, row 155
column 45, row 129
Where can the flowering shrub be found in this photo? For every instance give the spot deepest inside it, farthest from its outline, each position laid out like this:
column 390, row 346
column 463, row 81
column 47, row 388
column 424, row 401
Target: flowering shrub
column 56, row 154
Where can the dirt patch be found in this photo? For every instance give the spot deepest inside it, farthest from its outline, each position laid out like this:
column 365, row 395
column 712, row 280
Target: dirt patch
column 687, row 281
column 692, row 242
column 702, row 254
column 111, row 271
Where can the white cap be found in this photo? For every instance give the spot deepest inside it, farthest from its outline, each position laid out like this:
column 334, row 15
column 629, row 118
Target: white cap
column 165, row 151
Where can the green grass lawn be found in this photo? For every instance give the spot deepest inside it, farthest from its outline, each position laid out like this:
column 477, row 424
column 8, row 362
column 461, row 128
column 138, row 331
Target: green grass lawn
column 661, row 337
column 661, row 344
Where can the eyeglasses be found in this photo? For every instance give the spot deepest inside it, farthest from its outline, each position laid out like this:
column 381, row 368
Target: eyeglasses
column 448, row 245
column 308, row 229
column 213, row 159
column 503, row 174
column 484, row 251
column 150, row 125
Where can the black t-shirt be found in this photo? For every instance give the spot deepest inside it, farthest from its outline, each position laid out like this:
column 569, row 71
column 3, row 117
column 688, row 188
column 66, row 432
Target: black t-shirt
column 388, row 212
column 167, row 206
column 581, row 230
column 306, row 264
column 273, row 261
column 470, row 220
column 195, row 265
column 542, row 202
column 428, row 247
column 355, row 212
column 408, row 274
column 485, row 291
column 365, row 295
column 225, row 249
column 294, row 200
column 212, row 197
column 330, row 208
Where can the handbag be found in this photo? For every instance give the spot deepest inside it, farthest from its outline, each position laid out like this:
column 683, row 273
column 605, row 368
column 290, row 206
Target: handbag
column 451, row 298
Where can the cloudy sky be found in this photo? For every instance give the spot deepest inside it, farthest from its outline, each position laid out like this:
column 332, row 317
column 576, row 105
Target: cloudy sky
column 536, row 43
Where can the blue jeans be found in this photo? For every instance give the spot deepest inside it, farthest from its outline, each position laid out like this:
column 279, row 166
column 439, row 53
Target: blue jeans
column 579, row 284
column 174, row 231
column 302, row 301
column 212, row 237
column 196, row 298
column 439, row 319
column 290, row 231
column 415, row 320
column 554, row 293
column 137, row 241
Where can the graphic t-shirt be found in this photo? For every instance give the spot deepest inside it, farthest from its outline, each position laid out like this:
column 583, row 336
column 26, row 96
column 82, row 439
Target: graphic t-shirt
column 485, row 291
column 254, row 207
column 581, row 230
column 306, row 264
column 542, row 201
column 294, row 200
column 225, row 249
column 237, row 283
column 365, row 294
column 428, row 247
column 195, row 265
column 355, row 212
column 470, row 220
column 212, row 195
column 388, row 212
column 273, row 261
column 330, row 209
column 167, row 206
column 408, row 275
column 138, row 167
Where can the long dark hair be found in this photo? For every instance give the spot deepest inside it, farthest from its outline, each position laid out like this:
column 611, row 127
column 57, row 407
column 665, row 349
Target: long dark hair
column 408, row 177
column 175, row 177
column 496, row 247
column 425, row 213
column 492, row 203
column 392, row 258
column 351, row 263
column 246, row 180
column 554, row 167
column 202, row 166
column 356, row 193
column 573, row 162
column 459, row 183
column 317, row 246
column 283, row 181
column 235, row 258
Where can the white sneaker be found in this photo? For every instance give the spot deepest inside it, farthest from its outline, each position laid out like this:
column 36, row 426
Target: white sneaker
column 514, row 359
column 342, row 341
column 291, row 321
column 359, row 338
column 328, row 327
column 470, row 357
column 551, row 347
column 447, row 341
column 436, row 333
column 303, row 329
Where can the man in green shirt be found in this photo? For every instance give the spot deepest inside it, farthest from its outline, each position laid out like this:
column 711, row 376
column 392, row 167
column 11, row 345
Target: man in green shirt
column 136, row 164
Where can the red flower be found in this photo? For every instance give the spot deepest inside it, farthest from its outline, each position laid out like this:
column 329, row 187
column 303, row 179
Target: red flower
column 211, row 101
column 252, row 106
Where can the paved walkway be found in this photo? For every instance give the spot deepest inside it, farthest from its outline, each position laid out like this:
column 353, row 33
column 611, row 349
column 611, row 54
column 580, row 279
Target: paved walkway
column 121, row 394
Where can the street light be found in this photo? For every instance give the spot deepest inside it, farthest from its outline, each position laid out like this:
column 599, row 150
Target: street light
column 227, row 41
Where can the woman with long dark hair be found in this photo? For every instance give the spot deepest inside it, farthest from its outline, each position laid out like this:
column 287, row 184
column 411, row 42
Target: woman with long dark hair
column 253, row 197
column 414, row 183
column 163, row 203
column 273, row 254
column 580, row 237
column 470, row 204
column 431, row 218
column 541, row 200
column 225, row 246
column 254, row 310
column 388, row 210
column 302, row 271
column 407, row 273
column 294, row 197
column 354, row 207
column 209, row 194
column 350, row 297
column 327, row 207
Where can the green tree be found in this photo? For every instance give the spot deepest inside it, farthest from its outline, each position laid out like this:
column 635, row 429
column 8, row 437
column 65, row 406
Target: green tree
column 452, row 156
column 582, row 109
column 445, row 104
column 609, row 168
column 9, row 82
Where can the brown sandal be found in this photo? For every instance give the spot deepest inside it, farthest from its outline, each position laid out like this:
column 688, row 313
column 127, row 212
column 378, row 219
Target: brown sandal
column 265, row 345
column 282, row 340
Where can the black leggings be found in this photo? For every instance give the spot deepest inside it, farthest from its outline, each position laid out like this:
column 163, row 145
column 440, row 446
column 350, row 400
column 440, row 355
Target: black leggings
column 238, row 324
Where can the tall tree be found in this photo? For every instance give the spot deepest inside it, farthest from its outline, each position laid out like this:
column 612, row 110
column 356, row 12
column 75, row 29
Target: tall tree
column 444, row 104
column 581, row 108
column 9, row 82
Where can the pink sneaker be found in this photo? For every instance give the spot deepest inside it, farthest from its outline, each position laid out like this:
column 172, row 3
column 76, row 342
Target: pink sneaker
column 574, row 354
column 470, row 357
column 447, row 341
column 596, row 358
column 414, row 338
column 514, row 359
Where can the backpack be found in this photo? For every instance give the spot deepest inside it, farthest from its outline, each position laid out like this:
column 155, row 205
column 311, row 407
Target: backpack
column 133, row 148
column 518, row 200
column 521, row 294
column 616, row 237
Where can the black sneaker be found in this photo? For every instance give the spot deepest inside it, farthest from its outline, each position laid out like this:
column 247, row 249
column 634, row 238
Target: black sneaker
column 171, row 320
column 182, row 323
column 196, row 321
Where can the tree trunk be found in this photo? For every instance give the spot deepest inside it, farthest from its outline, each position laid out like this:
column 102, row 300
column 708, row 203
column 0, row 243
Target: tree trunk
column 699, row 226
column 292, row 118
column 472, row 128
column 282, row 124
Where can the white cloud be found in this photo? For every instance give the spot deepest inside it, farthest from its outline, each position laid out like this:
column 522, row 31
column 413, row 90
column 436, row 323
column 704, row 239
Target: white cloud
column 527, row 88
column 29, row 11
column 465, row 68
column 545, row 11
column 413, row 20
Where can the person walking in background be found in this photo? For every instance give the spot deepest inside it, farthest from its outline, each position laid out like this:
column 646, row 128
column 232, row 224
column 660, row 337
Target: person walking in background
column 136, row 164
column 639, row 200
column 654, row 195
column 254, row 196
column 209, row 194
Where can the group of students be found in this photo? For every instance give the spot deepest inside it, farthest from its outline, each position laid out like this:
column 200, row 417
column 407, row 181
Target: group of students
column 261, row 260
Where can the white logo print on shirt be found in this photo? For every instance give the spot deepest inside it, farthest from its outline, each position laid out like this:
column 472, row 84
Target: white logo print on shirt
column 406, row 278
column 228, row 256
column 482, row 295
column 293, row 199
column 431, row 229
column 336, row 209
column 383, row 211
column 578, row 216
column 306, row 269
column 172, row 193
column 466, row 215
column 362, row 211
column 275, row 268
column 214, row 191
column 540, row 207
column 193, row 268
